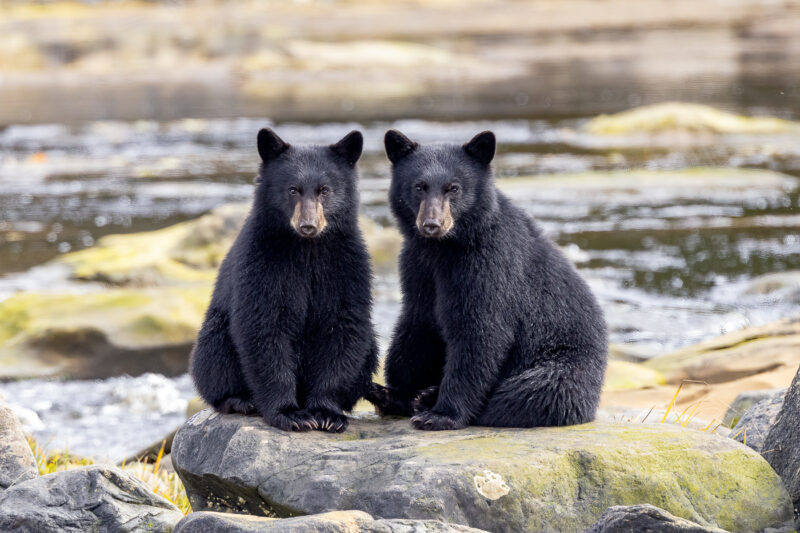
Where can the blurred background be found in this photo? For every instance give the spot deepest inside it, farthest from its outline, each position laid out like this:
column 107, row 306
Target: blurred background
column 657, row 141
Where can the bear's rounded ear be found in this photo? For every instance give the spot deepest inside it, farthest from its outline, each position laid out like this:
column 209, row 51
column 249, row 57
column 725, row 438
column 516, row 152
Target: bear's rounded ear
column 398, row 145
column 350, row 147
column 481, row 147
column 270, row 145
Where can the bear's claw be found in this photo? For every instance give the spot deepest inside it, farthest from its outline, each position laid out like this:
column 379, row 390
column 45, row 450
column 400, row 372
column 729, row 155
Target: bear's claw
column 293, row 421
column 330, row 421
column 431, row 421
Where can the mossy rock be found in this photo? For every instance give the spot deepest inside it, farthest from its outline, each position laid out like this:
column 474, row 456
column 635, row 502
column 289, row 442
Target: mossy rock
column 686, row 117
column 734, row 355
column 190, row 252
column 543, row 479
column 100, row 334
column 624, row 375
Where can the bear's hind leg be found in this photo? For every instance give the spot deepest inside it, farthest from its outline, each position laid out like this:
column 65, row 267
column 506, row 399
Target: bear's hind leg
column 550, row 394
column 215, row 368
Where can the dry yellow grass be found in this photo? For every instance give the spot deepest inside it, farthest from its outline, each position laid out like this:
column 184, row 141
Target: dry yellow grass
column 163, row 483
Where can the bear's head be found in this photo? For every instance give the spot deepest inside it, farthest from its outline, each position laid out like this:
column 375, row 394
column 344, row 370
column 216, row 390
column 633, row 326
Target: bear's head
column 310, row 187
column 437, row 188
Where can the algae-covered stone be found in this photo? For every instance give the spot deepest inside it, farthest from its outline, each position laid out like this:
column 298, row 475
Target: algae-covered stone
column 190, row 252
column 331, row 522
column 734, row 355
column 544, row 479
column 100, row 334
column 623, row 375
column 679, row 116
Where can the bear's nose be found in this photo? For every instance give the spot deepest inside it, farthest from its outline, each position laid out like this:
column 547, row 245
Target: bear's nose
column 431, row 227
column 307, row 230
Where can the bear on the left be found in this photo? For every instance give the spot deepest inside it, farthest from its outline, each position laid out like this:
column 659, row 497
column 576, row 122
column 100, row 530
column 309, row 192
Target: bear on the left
column 288, row 334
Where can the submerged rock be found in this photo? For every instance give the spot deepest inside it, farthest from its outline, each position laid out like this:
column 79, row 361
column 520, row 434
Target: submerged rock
column 16, row 459
column 782, row 445
column 735, row 355
column 685, row 117
column 625, row 519
column 91, row 498
column 100, row 334
column 332, row 522
column 544, row 479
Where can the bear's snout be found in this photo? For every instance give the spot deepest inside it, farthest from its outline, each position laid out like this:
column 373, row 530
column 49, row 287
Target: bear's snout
column 434, row 219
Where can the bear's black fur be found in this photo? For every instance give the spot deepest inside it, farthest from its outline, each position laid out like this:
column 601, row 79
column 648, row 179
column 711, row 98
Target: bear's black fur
column 497, row 328
column 288, row 334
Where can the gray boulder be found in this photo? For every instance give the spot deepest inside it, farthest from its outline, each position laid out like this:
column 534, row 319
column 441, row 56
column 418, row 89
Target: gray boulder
column 92, row 498
column 333, row 522
column 754, row 425
column 744, row 401
column 543, row 479
column 645, row 519
column 16, row 459
column 782, row 445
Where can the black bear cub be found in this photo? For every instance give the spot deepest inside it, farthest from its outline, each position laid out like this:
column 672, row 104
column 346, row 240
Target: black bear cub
column 288, row 334
column 497, row 328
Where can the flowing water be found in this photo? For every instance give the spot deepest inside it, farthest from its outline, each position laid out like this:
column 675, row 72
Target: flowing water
column 670, row 258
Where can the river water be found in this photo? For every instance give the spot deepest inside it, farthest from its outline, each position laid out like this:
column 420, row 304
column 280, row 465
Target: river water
column 671, row 258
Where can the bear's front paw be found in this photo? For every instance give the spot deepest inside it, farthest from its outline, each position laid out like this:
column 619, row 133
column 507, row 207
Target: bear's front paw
column 330, row 421
column 298, row 420
column 431, row 421
column 425, row 400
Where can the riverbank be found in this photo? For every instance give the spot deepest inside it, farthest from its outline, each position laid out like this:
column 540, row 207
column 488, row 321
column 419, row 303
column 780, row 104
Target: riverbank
column 327, row 61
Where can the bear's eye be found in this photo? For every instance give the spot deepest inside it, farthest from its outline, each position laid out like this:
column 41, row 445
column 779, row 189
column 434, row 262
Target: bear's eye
column 324, row 190
column 293, row 191
column 453, row 188
column 419, row 187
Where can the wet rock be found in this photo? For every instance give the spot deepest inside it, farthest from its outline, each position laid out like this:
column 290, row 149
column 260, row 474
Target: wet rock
column 332, row 522
column 745, row 400
column 735, row 355
column 544, row 479
column 753, row 426
column 185, row 253
column 100, row 334
column 91, row 498
column 685, row 117
column 623, row 375
column 190, row 252
column 775, row 282
column 624, row 519
column 16, row 459
column 782, row 445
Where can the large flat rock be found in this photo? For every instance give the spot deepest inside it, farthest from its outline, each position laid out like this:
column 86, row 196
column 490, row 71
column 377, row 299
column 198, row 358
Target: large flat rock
column 544, row 479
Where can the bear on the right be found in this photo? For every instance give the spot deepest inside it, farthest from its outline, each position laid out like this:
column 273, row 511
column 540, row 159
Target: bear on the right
column 497, row 328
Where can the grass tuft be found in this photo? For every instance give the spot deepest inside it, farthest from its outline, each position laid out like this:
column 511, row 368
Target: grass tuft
column 162, row 482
